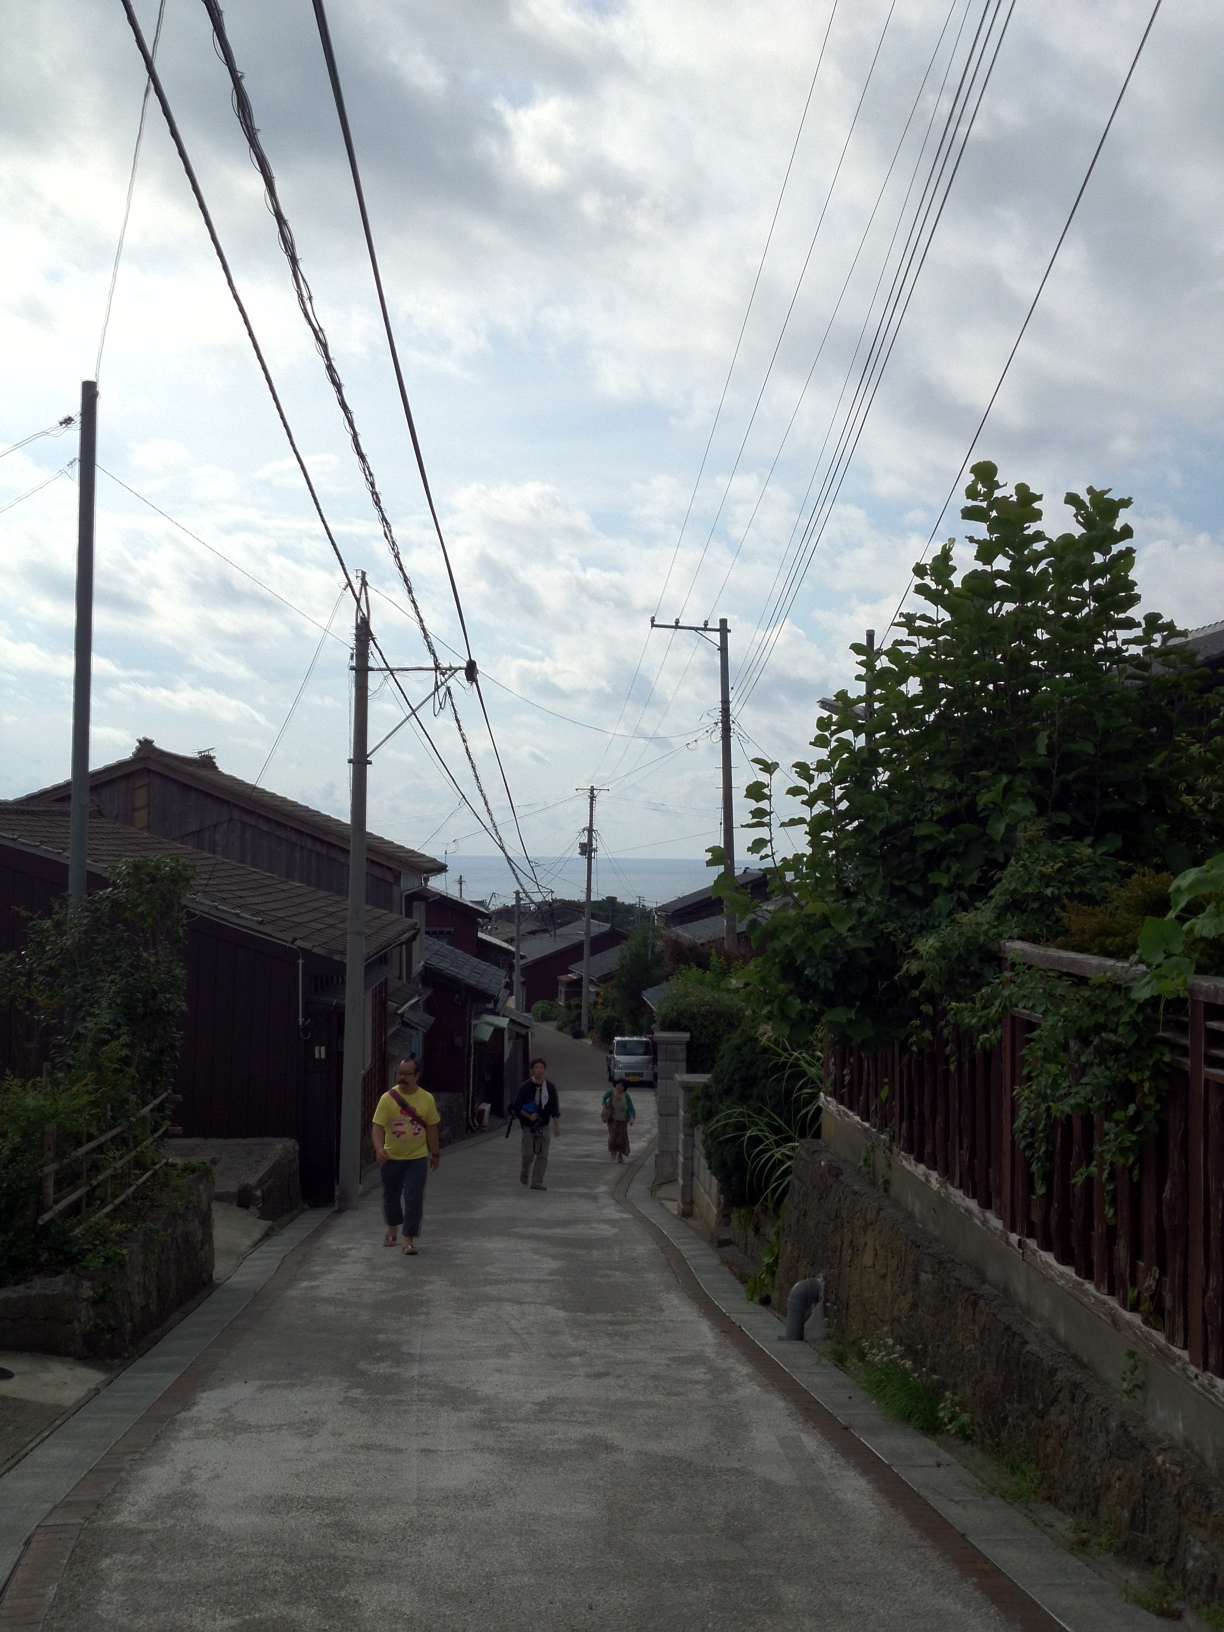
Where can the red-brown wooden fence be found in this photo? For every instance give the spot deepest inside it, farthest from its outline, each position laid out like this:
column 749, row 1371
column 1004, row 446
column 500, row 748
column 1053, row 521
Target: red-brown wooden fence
column 951, row 1108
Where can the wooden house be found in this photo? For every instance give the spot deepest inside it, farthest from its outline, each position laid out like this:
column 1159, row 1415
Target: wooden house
column 263, row 1035
column 188, row 798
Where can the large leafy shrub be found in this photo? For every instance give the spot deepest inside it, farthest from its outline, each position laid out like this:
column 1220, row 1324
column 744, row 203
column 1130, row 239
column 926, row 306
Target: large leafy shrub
column 1029, row 750
column 105, row 984
column 1028, row 689
column 706, row 1008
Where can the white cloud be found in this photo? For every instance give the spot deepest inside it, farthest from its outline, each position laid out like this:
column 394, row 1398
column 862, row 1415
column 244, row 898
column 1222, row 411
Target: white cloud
column 571, row 202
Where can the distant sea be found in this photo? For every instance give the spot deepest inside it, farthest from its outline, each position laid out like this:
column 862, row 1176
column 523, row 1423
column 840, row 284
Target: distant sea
column 653, row 879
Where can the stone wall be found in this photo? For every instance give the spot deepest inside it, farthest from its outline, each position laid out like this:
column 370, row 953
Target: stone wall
column 102, row 1314
column 1030, row 1401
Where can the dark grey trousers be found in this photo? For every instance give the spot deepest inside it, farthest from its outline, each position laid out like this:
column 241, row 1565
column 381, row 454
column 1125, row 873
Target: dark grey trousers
column 535, row 1152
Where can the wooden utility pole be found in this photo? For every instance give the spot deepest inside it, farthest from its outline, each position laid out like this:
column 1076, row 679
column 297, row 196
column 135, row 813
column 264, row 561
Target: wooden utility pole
column 730, row 928
column 518, row 950
column 349, row 1187
column 78, row 809
column 587, row 850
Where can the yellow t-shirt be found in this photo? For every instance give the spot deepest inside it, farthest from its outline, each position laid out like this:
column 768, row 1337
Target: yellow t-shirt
column 404, row 1137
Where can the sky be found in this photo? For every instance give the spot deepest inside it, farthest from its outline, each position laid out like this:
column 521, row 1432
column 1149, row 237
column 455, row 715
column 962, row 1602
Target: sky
column 626, row 245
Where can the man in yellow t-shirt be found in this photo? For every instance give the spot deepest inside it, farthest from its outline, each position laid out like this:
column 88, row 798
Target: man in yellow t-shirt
column 405, row 1134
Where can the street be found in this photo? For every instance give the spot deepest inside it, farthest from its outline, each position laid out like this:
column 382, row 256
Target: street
column 529, row 1426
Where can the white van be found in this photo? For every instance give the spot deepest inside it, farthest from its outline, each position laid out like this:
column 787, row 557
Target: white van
column 631, row 1060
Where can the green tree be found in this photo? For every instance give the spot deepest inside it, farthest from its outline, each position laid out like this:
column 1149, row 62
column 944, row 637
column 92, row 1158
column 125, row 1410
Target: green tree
column 639, row 966
column 1026, row 690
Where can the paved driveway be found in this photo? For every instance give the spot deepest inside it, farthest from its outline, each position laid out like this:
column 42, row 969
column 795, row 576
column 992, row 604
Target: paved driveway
column 530, row 1426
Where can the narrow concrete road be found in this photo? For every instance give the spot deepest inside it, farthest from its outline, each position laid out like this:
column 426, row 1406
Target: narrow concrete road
column 529, row 1427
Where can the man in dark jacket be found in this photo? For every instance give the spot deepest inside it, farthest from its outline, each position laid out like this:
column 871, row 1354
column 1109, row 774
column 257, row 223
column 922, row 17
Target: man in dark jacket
column 537, row 1107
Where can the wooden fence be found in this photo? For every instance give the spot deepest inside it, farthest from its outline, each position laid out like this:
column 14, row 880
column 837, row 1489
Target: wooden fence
column 951, row 1108
column 129, row 1153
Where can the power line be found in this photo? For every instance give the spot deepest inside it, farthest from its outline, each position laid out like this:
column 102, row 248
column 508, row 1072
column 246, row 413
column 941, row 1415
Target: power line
column 888, row 327
column 301, row 689
column 530, row 701
column 37, row 488
column 213, row 550
column 305, row 298
column 920, row 235
column 1045, row 277
column 58, row 429
column 853, row 267
column 765, row 381
column 807, row 260
column 131, row 188
column 726, row 384
column 197, row 192
column 193, row 182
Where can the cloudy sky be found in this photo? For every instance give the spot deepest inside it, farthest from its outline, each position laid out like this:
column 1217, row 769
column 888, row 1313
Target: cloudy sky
column 571, row 201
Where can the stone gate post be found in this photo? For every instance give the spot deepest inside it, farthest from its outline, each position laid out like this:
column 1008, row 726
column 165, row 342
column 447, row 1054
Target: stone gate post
column 671, row 1051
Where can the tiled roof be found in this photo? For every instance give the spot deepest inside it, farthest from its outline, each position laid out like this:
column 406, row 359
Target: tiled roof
column 1207, row 643
column 541, row 944
column 602, row 963
column 745, row 879
column 203, row 773
column 278, row 908
column 652, row 994
column 447, row 960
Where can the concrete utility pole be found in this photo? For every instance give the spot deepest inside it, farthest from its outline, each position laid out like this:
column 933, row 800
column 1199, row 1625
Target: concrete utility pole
column 730, row 928
column 587, row 850
column 518, row 950
column 78, row 810
column 349, row 1187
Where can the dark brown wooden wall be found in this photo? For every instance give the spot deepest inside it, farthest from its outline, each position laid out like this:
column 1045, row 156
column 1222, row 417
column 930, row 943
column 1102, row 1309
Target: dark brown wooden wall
column 209, row 821
column 444, row 1059
column 244, row 1064
column 540, row 977
column 461, row 920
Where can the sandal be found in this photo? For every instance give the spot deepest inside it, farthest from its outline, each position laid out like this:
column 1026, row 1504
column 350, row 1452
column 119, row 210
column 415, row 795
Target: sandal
column 391, row 1238
column 408, row 1252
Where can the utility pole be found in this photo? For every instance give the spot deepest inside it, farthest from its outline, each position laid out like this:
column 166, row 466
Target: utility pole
column 587, row 850
column 78, row 810
column 461, row 886
column 730, row 928
column 349, row 1187
column 518, row 950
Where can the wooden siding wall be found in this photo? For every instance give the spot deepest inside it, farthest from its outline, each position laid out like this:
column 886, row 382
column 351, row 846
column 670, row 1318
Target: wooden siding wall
column 245, row 1070
column 541, row 975
column 444, row 1057
column 952, row 1109
column 209, row 821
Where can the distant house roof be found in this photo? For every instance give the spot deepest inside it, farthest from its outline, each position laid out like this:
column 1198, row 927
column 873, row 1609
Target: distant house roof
column 749, row 879
column 701, row 932
column 430, row 893
column 443, row 959
column 492, row 940
column 541, row 945
column 201, row 770
column 652, row 994
column 603, row 964
column 277, row 908
column 1207, row 644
